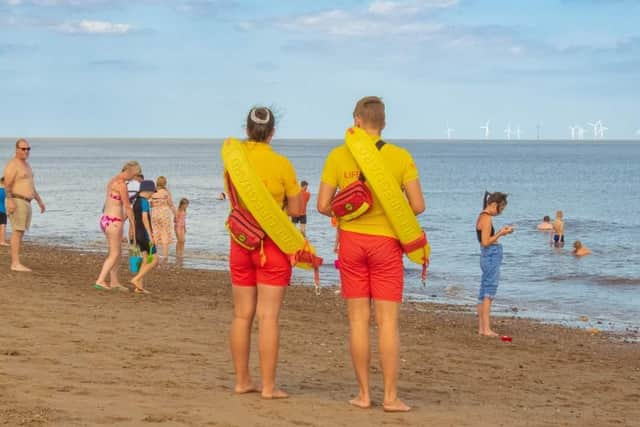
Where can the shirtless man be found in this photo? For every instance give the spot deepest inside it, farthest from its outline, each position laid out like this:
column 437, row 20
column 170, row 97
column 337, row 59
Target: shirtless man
column 20, row 191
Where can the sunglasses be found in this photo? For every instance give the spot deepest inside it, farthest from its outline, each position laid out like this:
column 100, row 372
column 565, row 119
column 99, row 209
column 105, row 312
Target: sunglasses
column 24, row 148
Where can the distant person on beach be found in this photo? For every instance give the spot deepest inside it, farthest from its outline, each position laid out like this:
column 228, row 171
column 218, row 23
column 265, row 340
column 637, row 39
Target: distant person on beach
column 259, row 284
column 558, row 231
column 162, row 218
column 180, row 225
column 222, row 196
column 579, row 249
column 144, row 235
column 302, row 219
column 490, row 257
column 3, row 215
column 20, row 191
column 111, row 223
column 370, row 255
column 545, row 225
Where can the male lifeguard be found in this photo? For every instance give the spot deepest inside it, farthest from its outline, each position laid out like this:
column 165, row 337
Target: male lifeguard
column 20, row 192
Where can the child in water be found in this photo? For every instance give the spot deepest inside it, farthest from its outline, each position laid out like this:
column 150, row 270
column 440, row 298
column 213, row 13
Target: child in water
column 579, row 249
column 180, row 224
column 144, row 234
column 558, row 231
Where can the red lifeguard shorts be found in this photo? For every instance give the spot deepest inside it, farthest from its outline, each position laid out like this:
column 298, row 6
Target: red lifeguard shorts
column 370, row 266
column 246, row 270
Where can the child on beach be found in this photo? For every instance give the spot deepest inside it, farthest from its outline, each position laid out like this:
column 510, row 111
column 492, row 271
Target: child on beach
column 370, row 256
column 490, row 257
column 180, row 225
column 558, row 231
column 144, row 234
column 3, row 215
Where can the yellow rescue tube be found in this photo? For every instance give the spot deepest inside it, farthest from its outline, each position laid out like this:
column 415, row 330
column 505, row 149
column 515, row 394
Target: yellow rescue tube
column 257, row 199
column 388, row 193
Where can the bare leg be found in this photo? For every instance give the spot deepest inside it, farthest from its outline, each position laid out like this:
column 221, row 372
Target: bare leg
column 268, row 312
column 485, row 311
column 164, row 248
column 179, row 244
column 359, row 313
column 303, row 229
column 3, row 235
column 244, row 309
column 145, row 268
column 16, row 242
column 113, row 234
column 480, row 318
column 389, row 348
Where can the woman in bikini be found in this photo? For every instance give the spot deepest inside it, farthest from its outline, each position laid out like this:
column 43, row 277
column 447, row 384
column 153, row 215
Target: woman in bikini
column 111, row 223
column 162, row 217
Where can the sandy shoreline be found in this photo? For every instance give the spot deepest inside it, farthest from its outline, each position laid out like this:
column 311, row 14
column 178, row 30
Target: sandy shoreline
column 71, row 355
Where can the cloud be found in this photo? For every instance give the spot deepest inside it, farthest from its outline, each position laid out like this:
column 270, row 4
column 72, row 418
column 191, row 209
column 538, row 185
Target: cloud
column 54, row 3
column 338, row 22
column 94, row 28
column 386, row 8
column 205, row 7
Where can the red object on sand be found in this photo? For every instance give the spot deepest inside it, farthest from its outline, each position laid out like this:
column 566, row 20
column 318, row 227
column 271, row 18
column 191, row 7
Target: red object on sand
column 506, row 338
column 336, row 264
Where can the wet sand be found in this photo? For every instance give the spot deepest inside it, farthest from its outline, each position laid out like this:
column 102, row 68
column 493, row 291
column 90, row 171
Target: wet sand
column 71, row 355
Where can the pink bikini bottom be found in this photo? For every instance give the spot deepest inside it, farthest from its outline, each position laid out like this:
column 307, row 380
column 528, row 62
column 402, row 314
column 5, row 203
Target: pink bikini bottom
column 107, row 220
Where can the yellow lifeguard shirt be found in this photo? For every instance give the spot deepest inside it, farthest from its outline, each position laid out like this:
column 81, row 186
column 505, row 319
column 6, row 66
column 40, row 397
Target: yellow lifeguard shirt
column 273, row 169
column 341, row 169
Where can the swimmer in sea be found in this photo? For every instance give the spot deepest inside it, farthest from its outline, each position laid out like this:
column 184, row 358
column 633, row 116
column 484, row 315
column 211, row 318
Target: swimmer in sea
column 579, row 249
column 545, row 225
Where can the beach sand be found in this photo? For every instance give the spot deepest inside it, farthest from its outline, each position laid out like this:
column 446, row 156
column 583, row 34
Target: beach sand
column 71, row 355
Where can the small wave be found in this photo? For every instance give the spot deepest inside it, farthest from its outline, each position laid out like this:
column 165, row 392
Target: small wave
column 599, row 280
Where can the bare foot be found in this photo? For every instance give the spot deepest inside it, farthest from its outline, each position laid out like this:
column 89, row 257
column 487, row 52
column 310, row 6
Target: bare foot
column 20, row 267
column 275, row 394
column 396, row 406
column 360, row 402
column 250, row 388
column 488, row 334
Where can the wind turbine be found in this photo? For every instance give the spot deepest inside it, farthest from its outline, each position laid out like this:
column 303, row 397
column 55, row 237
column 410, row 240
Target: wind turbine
column 486, row 129
column 580, row 133
column 573, row 132
column 602, row 128
column 507, row 130
column 449, row 131
column 518, row 132
column 595, row 129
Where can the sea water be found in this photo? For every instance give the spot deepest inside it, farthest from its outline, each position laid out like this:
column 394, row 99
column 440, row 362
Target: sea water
column 594, row 183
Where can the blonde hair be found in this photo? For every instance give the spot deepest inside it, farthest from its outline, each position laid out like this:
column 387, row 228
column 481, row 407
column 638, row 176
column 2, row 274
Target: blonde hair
column 370, row 110
column 559, row 214
column 183, row 203
column 577, row 244
column 130, row 165
column 161, row 182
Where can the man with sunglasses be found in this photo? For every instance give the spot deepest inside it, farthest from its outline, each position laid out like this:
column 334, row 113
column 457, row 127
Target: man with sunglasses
column 20, row 191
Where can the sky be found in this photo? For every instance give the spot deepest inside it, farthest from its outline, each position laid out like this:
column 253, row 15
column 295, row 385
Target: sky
column 194, row 68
